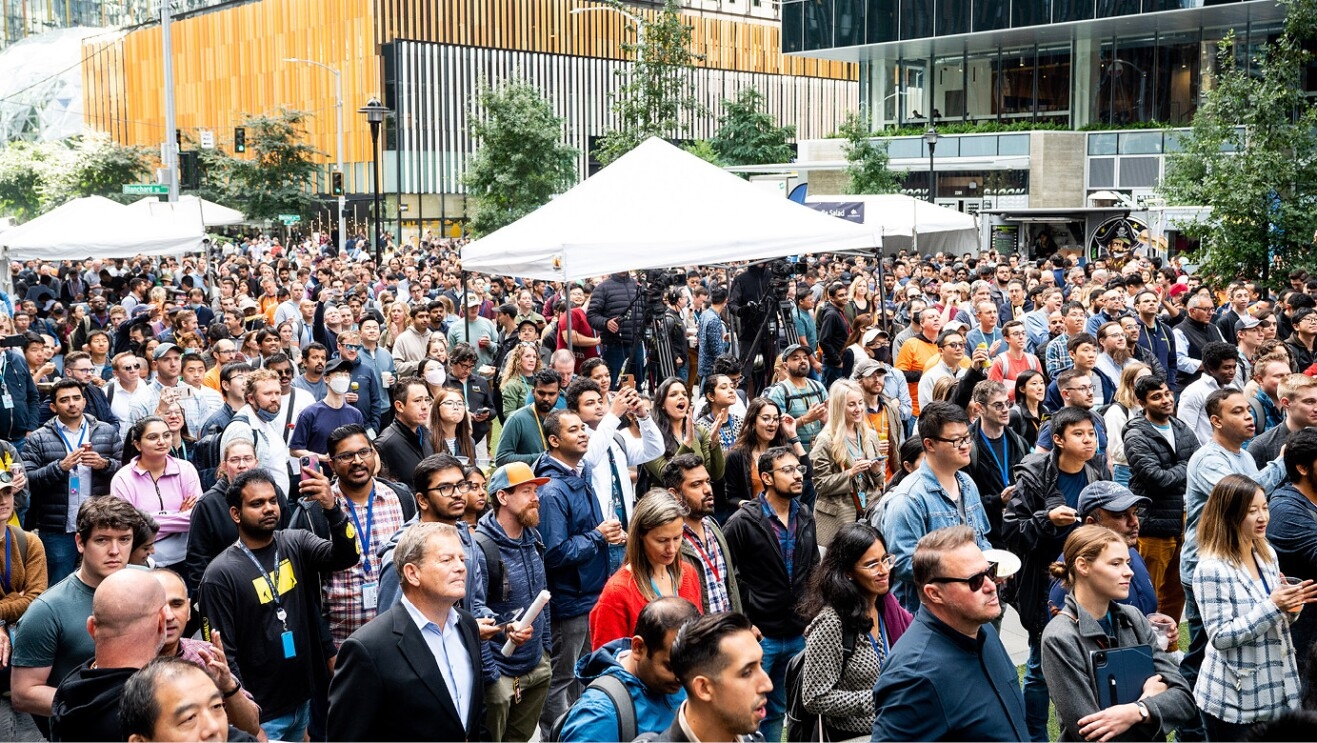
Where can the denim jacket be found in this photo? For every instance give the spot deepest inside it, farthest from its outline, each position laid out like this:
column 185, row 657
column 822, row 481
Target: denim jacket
column 925, row 507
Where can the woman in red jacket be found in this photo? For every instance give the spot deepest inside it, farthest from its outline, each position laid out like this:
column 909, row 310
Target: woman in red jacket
column 653, row 569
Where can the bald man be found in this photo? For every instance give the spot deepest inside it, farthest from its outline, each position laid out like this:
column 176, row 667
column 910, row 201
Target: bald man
column 127, row 624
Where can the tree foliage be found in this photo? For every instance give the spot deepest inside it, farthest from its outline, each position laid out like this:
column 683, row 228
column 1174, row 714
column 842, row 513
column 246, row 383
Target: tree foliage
column 1249, row 155
column 521, row 161
column 748, row 135
column 704, row 149
column 655, row 100
column 867, row 160
column 277, row 176
column 36, row 177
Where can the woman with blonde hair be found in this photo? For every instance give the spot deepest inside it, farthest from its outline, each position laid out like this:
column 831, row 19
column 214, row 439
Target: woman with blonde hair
column 515, row 383
column 397, row 320
column 653, row 569
column 1249, row 672
column 450, row 425
column 1123, row 408
column 848, row 463
column 1096, row 571
column 859, row 303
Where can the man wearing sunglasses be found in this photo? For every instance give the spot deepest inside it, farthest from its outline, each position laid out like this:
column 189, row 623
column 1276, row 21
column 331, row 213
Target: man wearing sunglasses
column 951, row 645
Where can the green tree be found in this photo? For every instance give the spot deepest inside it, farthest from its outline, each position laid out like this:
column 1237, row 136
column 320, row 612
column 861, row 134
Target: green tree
column 1249, row 155
column 748, row 135
column 94, row 166
column 656, row 94
column 22, row 170
column 867, row 160
column 704, row 149
column 521, row 162
column 276, row 178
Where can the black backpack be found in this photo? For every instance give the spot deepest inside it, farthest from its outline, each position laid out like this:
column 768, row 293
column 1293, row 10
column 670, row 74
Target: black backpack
column 207, row 455
column 803, row 726
column 617, row 693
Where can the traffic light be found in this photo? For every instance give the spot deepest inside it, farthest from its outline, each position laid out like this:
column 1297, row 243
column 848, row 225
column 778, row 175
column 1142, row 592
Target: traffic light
column 189, row 171
column 239, row 139
column 336, row 179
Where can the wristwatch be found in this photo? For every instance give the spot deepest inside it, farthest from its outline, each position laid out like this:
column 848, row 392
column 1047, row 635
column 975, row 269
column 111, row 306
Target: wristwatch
column 1143, row 711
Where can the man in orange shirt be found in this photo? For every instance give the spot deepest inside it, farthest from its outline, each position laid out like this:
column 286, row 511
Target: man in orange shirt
column 916, row 353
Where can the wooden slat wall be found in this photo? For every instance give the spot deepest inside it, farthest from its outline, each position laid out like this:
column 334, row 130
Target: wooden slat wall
column 548, row 26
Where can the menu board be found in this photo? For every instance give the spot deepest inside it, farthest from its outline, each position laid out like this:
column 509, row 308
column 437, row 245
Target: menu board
column 1006, row 238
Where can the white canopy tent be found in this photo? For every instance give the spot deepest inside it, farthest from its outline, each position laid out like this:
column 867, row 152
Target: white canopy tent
column 98, row 227
column 658, row 206
column 899, row 219
column 212, row 214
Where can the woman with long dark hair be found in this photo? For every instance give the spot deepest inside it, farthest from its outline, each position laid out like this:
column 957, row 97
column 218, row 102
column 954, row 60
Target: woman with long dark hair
column 1247, row 609
column 1029, row 412
column 1096, row 570
column 672, row 415
column 764, row 428
column 854, row 614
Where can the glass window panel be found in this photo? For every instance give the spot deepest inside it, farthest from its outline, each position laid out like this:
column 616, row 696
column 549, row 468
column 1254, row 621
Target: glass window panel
column 1114, row 8
column 880, row 20
column 914, row 83
column 1141, row 143
column 1175, row 88
column 916, row 19
column 1071, row 10
column 949, row 88
column 793, row 25
column 990, row 15
column 818, row 24
column 793, row 22
column 945, row 147
column 1173, row 140
column 952, row 16
column 1030, row 13
column 848, row 23
column 1125, row 84
column 1012, row 144
column 903, row 147
column 1102, row 144
column 983, row 145
column 1053, row 81
column 979, row 96
column 1014, row 83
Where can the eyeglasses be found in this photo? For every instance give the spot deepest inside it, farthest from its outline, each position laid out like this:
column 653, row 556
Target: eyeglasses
column 1083, row 389
column 352, row 346
column 770, row 419
column 953, row 344
column 798, row 469
column 351, row 456
column 450, row 489
column 241, row 460
column 453, row 404
column 80, row 369
column 959, row 443
column 283, row 372
column 887, row 562
column 975, row 582
column 999, row 405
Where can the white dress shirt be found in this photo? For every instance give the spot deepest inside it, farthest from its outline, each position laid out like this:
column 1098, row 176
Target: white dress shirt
column 450, row 654
column 636, row 452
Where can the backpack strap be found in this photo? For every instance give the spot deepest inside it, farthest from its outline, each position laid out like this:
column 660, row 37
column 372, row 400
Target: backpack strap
column 288, row 421
column 20, row 538
column 109, row 395
column 494, row 567
column 626, row 707
column 847, row 650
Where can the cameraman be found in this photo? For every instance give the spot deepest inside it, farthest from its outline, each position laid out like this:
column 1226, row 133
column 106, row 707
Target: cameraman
column 619, row 321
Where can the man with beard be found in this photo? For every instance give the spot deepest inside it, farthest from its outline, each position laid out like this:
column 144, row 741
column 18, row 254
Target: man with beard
column 994, row 452
column 509, row 540
column 1113, row 350
column 881, row 408
column 1133, row 329
column 915, row 354
column 523, row 439
column 799, row 396
column 260, row 595
column 703, row 545
column 1219, row 363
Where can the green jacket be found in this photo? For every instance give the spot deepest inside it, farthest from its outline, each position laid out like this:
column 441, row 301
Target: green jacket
column 514, row 394
column 522, row 439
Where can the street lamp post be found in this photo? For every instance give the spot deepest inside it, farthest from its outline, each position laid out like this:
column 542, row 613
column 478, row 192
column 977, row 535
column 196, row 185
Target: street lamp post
column 338, row 106
column 375, row 113
column 930, row 138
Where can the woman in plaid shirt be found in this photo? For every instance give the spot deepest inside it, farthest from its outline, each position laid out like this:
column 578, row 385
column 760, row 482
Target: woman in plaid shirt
column 1249, row 673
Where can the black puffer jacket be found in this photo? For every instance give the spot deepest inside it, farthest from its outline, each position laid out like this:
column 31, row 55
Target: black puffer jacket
column 1032, row 536
column 50, row 484
column 1159, row 474
column 613, row 298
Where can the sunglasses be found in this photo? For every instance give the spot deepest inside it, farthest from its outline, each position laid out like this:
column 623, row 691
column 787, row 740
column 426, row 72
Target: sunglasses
column 975, row 582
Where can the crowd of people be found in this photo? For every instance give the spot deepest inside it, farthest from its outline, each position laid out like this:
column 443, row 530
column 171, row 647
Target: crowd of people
column 278, row 492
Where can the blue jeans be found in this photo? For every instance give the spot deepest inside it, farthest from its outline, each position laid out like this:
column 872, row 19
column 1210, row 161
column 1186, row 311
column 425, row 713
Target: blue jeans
column 615, row 355
column 830, row 375
column 777, row 652
column 61, row 555
column 1121, row 474
column 1193, row 662
column 1036, row 699
column 289, row 727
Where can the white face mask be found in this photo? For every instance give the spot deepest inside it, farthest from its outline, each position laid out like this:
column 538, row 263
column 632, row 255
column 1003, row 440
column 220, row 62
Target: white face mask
column 434, row 376
column 340, row 384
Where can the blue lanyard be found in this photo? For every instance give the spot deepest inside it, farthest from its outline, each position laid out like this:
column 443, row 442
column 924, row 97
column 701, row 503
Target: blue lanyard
column 82, row 434
column 882, row 634
column 1261, row 575
column 364, row 536
column 1001, row 462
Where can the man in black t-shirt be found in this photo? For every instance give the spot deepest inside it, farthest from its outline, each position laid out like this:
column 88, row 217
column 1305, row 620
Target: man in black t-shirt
column 272, row 637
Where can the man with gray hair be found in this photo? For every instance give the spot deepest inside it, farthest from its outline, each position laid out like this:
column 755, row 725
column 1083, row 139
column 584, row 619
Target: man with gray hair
column 1191, row 339
column 413, row 673
column 951, row 644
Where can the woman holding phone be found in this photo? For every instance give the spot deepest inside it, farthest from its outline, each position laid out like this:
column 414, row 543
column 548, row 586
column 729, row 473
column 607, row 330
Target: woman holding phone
column 161, row 485
column 1096, row 570
column 1249, row 673
column 848, row 463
